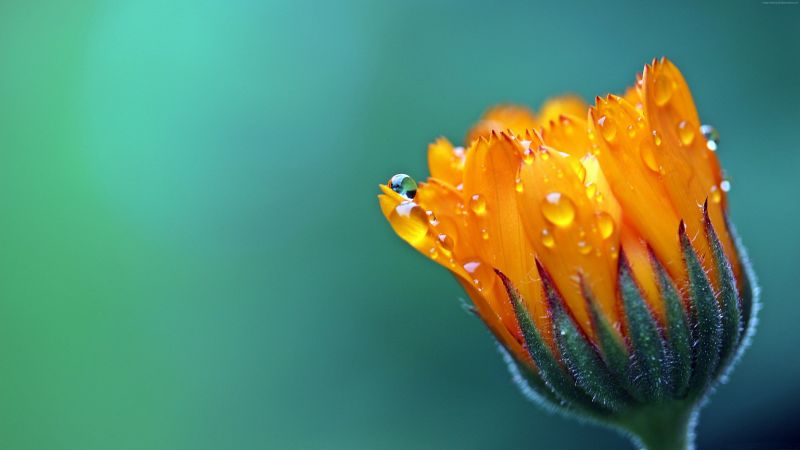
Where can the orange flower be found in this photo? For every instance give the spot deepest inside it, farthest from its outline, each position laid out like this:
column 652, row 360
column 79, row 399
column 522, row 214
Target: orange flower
column 573, row 202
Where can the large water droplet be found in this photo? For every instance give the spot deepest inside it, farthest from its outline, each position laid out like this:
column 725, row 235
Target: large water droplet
column 607, row 128
column 685, row 132
column 478, row 204
column 547, row 238
column 558, row 209
column 663, row 90
column 410, row 222
column 482, row 276
column 711, row 135
column 605, row 223
column 404, row 185
column 648, row 157
column 446, row 244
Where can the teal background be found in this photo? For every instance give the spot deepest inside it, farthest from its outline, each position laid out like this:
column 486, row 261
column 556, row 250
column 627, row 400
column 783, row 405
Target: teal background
column 192, row 254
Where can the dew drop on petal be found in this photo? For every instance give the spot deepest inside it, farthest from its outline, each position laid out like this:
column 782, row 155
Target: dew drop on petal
column 432, row 218
column 433, row 253
column 605, row 223
column 482, row 276
column 714, row 194
column 558, row 209
column 518, row 185
column 607, row 128
column 663, row 90
column 547, row 238
column 410, row 222
column 484, row 234
column 711, row 135
column 584, row 247
column 685, row 132
column 446, row 244
column 631, row 131
column 725, row 186
column 403, row 185
column 478, row 204
column 649, row 157
column 656, row 138
column 527, row 156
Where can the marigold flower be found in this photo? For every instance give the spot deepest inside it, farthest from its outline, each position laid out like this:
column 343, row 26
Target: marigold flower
column 594, row 244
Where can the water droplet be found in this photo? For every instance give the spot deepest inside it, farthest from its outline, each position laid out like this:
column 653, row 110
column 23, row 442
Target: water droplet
column 714, row 194
column 663, row 90
column 544, row 153
column 605, row 223
column 558, row 209
column 481, row 276
column 527, row 156
column 432, row 218
column 484, row 234
column 631, row 131
column 478, row 204
column 446, row 244
column 433, row 253
column 685, row 132
column 711, row 135
column 547, row 239
column 725, row 186
column 607, row 128
column 656, row 138
column 648, row 157
column 410, row 222
column 403, row 185
column 584, row 247
column 518, row 185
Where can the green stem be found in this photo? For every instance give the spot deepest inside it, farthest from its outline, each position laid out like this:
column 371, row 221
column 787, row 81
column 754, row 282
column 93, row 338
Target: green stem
column 663, row 427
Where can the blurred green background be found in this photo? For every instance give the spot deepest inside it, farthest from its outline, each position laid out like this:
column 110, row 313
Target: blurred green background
column 192, row 254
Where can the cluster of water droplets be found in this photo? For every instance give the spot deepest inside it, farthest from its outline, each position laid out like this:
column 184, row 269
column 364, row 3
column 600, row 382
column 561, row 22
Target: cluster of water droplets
column 422, row 228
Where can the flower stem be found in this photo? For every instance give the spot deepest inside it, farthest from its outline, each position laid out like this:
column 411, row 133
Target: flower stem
column 663, row 427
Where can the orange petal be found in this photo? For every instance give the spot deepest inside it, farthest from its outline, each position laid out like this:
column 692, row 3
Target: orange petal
column 693, row 170
column 445, row 161
column 567, row 105
column 490, row 187
column 639, row 258
column 626, row 151
column 503, row 118
column 574, row 235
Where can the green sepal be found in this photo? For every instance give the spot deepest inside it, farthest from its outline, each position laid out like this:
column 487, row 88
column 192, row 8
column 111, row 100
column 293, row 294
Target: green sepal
column 728, row 295
column 553, row 375
column 578, row 354
column 649, row 362
column 679, row 339
column 612, row 347
column 530, row 383
column 706, row 318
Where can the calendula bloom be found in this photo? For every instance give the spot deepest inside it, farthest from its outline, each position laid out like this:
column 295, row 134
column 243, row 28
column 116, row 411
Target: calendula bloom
column 595, row 245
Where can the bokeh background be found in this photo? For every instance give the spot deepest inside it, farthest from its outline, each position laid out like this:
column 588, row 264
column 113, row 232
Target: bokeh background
column 192, row 254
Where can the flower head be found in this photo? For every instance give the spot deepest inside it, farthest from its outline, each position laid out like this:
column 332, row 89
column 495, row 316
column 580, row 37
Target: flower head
column 593, row 241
